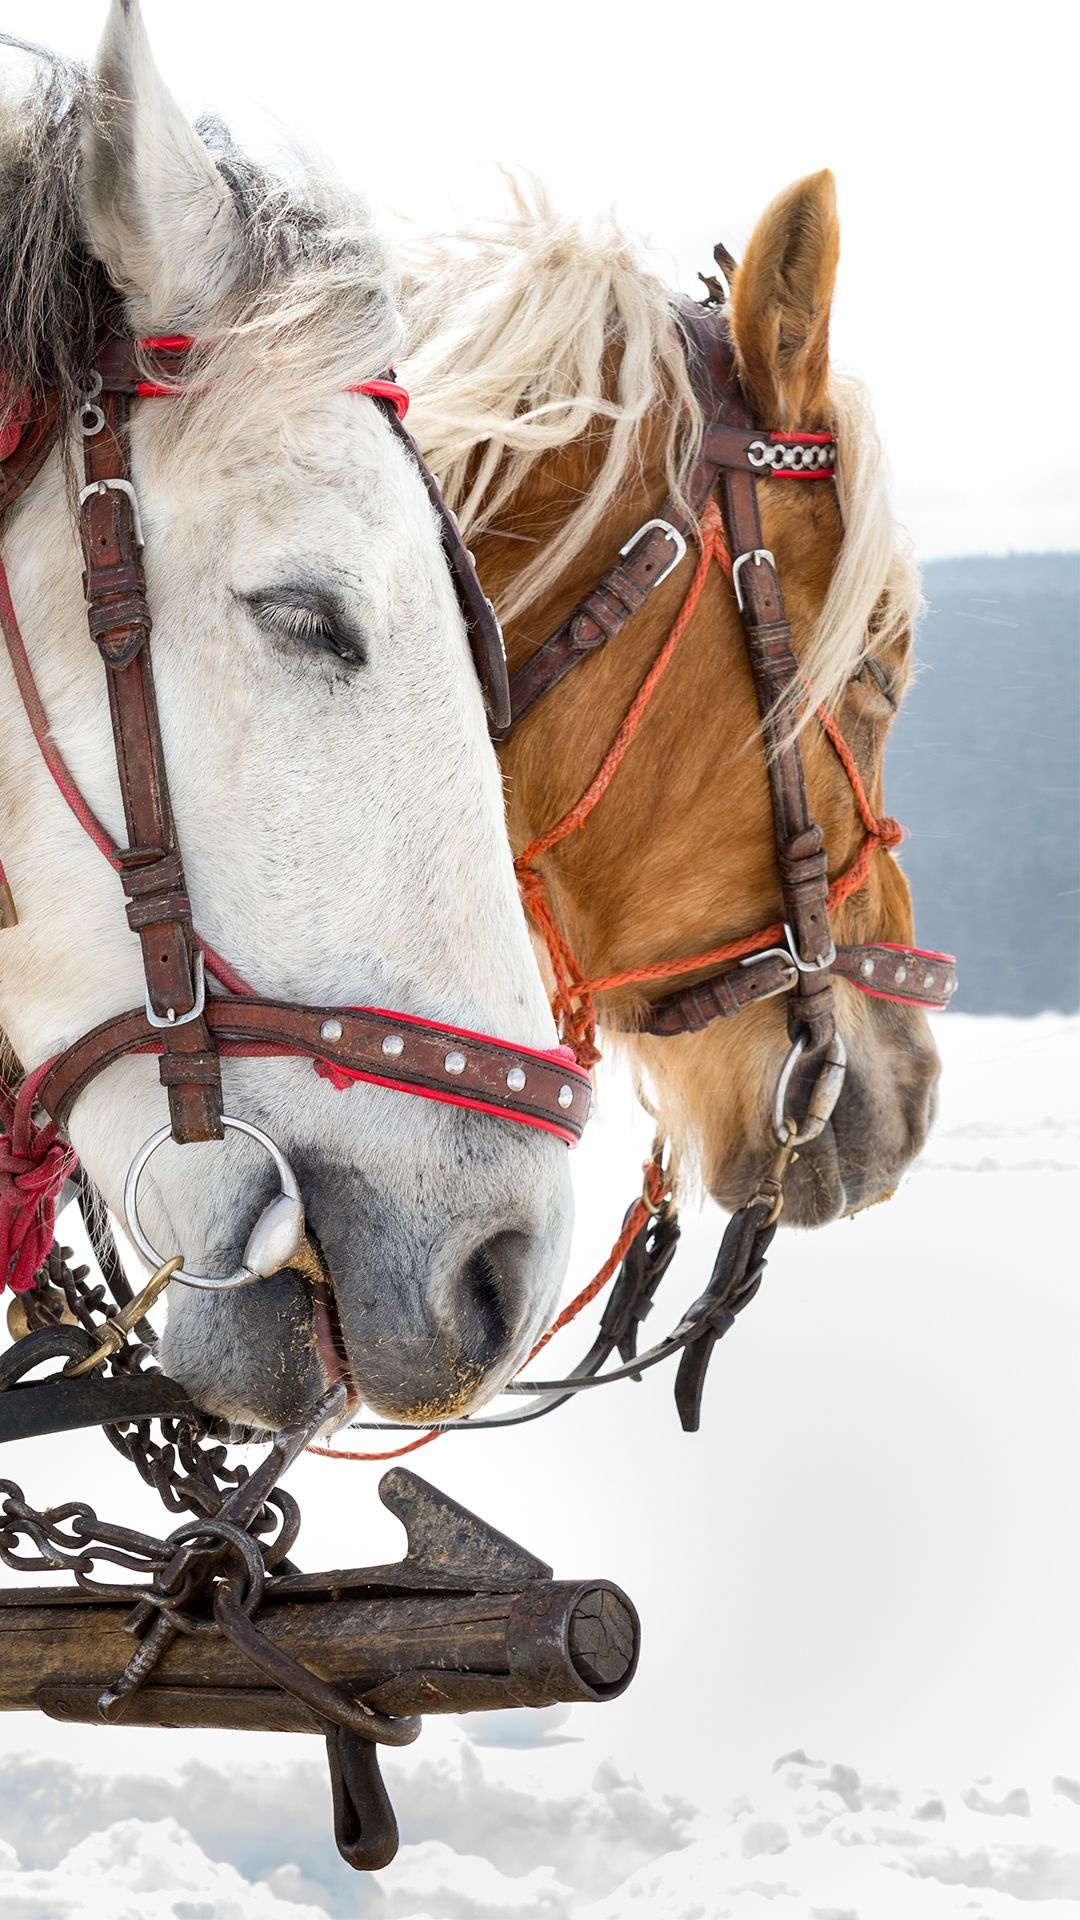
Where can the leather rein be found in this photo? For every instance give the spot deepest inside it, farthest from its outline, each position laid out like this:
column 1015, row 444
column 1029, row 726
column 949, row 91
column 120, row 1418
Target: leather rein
column 188, row 1029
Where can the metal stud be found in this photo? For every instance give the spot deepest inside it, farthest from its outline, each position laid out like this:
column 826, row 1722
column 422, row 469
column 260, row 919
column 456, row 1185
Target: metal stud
column 566, row 1095
column 515, row 1079
column 866, row 968
column 455, row 1063
column 928, row 979
column 393, row 1045
column 900, row 976
column 331, row 1030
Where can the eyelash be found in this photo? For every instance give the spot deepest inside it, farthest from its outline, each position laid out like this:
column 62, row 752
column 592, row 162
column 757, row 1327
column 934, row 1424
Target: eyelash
column 871, row 671
column 308, row 626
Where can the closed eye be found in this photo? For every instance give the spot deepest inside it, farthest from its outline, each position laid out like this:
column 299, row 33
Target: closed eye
column 872, row 672
column 308, row 617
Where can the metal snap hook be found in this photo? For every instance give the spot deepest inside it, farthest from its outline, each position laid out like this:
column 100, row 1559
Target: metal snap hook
column 274, row 1240
column 822, row 1101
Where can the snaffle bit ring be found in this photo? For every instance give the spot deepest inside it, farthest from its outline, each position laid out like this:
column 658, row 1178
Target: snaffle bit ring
column 274, row 1240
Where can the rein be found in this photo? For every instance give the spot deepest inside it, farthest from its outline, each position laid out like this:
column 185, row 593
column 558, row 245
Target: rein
column 188, row 1030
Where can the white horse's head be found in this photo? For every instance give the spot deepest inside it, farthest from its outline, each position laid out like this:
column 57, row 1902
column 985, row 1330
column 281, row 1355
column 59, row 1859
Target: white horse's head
column 337, row 800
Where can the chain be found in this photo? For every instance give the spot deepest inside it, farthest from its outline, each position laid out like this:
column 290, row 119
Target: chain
column 187, row 1468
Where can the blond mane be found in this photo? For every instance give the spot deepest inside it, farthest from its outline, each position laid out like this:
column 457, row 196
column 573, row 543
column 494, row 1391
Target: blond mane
column 513, row 333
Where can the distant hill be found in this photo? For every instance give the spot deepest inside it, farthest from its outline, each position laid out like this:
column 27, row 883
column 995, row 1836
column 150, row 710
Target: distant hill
column 983, row 768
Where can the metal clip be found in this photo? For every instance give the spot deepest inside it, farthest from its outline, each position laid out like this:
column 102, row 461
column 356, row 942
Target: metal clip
column 91, row 417
column 118, row 1326
column 673, row 534
column 770, row 1189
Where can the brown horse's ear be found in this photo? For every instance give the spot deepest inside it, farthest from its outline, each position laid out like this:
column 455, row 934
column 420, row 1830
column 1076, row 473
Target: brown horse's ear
column 780, row 304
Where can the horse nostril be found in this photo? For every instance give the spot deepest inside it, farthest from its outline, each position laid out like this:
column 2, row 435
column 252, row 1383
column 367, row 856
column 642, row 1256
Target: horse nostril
column 487, row 1295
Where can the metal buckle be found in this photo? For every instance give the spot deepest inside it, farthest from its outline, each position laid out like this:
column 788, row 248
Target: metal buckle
column 673, row 534
column 819, row 965
column 274, row 1240
column 174, row 1019
column 117, row 486
column 757, row 555
column 826, row 1093
column 773, row 953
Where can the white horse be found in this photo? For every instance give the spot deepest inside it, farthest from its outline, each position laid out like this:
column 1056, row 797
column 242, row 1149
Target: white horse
column 337, row 800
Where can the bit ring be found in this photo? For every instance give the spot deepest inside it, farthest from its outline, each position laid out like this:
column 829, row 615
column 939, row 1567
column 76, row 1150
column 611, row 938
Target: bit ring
column 255, row 1265
column 825, row 1094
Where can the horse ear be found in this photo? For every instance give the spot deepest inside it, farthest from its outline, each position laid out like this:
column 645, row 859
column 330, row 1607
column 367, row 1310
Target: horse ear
column 780, row 305
column 156, row 211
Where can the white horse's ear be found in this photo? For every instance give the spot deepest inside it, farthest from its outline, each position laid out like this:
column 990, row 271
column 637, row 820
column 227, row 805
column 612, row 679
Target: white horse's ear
column 156, row 211
column 781, row 299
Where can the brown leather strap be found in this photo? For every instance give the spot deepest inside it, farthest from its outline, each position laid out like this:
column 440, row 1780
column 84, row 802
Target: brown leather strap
column 690, row 1009
column 800, row 843
column 150, row 866
column 385, row 1046
column 907, row 974
column 904, row 974
column 621, row 593
column 482, row 627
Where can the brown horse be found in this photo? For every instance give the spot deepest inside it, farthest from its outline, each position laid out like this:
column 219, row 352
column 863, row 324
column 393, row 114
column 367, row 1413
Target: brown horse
column 553, row 399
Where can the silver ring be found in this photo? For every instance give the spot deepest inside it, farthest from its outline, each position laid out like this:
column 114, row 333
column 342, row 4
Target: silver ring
column 274, row 1240
column 823, row 1098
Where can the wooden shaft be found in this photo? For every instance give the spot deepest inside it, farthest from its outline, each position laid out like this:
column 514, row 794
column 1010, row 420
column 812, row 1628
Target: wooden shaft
column 419, row 1651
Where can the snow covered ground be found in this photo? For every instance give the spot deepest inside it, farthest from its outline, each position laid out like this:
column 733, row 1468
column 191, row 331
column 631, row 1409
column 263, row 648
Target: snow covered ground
column 859, row 1695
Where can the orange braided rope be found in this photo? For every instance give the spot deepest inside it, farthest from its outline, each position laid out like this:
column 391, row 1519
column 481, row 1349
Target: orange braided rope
column 573, row 1001
column 573, row 998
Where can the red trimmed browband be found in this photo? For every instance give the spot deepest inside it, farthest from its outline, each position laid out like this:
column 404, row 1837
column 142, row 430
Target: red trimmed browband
column 397, row 1050
column 181, row 344
column 912, row 976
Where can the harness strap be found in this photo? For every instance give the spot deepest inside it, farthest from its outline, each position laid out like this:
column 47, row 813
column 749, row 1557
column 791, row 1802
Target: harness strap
column 150, row 866
column 444, row 1063
column 799, row 955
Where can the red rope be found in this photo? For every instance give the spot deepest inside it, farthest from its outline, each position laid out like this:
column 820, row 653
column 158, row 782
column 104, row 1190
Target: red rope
column 34, row 1164
column 572, row 1002
column 574, row 998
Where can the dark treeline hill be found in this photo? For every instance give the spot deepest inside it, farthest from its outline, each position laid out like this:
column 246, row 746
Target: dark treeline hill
column 983, row 767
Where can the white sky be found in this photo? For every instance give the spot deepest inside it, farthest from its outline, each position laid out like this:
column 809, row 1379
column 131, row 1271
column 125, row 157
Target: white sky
column 950, row 128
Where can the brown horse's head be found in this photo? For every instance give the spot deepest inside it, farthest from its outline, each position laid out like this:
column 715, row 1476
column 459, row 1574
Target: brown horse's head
column 679, row 856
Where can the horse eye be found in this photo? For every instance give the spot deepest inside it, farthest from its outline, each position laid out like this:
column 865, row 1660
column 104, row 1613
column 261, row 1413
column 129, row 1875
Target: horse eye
column 871, row 671
column 305, row 618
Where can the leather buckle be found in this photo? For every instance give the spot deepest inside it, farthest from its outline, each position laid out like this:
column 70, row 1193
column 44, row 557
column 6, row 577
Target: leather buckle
column 673, row 534
column 174, row 1019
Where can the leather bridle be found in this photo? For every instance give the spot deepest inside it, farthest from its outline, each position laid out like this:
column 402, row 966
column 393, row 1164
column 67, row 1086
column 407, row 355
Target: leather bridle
column 180, row 1022
column 797, row 956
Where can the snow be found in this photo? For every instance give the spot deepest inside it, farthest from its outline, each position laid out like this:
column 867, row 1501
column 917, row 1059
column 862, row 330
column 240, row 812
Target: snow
column 868, row 1556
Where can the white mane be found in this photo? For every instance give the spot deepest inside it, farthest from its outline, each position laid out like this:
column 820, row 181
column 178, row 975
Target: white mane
column 512, row 328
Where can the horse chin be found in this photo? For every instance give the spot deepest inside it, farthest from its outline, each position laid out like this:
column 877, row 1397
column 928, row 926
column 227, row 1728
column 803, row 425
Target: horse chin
column 210, row 1341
